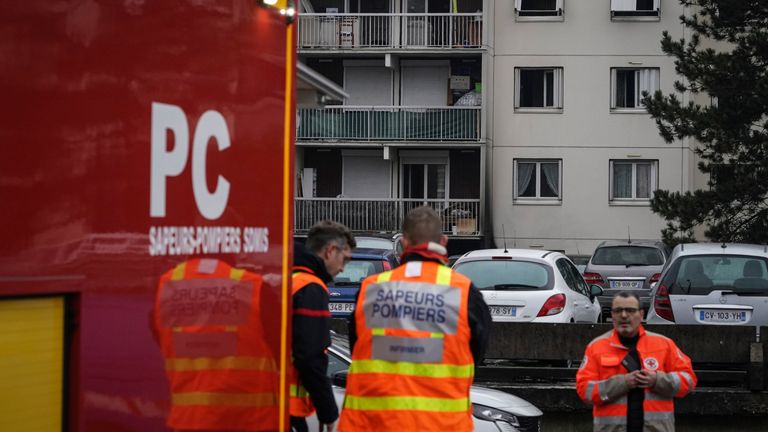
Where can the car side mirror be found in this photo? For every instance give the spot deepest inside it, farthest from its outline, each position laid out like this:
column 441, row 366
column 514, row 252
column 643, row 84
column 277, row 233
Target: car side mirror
column 595, row 290
column 339, row 379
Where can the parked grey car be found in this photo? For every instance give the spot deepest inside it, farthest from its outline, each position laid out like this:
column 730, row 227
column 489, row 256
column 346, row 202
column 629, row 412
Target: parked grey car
column 713, row 283
column 624, row 265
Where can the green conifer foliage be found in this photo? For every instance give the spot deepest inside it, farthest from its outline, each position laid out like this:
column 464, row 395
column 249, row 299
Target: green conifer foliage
column 724, row 67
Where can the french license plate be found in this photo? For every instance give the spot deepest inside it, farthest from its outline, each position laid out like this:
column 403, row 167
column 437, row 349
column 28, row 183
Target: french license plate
column 509, row 311
column 626, row 284
column 722, row 316
column 341, row 307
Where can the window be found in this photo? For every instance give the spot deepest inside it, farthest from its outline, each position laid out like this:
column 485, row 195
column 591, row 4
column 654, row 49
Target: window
column 632, row 180
column 628, row 85
column 537, row 179
column 539, row 88
column 572, row 277
column 488, row 274
column 539, row 8
column 635, row 9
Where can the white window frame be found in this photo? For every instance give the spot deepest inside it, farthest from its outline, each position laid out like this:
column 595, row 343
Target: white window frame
column 646, row 79
column 633, row 199
column 538, row 199
column 626, row 10
column 557, row 91
column 545, row 15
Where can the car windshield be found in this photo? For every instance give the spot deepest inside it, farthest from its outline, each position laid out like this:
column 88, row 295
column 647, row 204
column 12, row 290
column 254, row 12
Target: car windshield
column 506, row 274
column 628, row 256
column 357, row 270
column 700, row 275
column 374, row 243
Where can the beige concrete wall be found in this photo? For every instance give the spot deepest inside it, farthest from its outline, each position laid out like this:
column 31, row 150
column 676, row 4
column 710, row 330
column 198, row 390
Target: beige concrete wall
column 586, row 135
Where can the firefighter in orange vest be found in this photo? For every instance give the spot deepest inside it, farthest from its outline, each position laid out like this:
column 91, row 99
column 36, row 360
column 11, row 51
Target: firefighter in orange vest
column 416, row 334
column 327, row 249
column 222, row 373
column 631, row 375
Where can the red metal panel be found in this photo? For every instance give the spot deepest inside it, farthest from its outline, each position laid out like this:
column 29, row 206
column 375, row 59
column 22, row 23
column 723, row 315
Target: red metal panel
column 78, row 81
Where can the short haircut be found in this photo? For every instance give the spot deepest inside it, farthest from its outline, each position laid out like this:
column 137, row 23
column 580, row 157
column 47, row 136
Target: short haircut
column 629, row 294
column 325, row 232
column 422, row 225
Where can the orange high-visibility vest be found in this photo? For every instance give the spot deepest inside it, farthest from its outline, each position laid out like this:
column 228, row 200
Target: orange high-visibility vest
column 600, row 380
column 221, row 372
column 412, row 367
column 301, row 404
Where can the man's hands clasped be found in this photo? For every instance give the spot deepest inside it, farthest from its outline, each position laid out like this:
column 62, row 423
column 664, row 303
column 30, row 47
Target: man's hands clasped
column 641, row 378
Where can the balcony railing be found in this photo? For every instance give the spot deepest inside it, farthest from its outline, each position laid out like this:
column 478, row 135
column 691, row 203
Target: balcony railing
column 389, row 123
column 460, row 217
column 348, row 31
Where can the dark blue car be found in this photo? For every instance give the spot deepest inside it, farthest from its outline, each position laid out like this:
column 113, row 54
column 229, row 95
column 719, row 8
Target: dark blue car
column 364, row 263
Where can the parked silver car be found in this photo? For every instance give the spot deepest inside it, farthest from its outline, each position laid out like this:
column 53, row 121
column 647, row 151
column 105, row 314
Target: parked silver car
column 713, row 283
column 492, row 410
column 626, row 266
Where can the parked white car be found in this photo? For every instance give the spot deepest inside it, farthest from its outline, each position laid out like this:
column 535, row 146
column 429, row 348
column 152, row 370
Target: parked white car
column 525, row 285
column 492, row 410
column 713, row 283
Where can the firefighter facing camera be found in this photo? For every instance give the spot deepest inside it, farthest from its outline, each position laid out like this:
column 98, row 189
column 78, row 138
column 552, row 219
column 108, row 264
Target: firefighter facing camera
column 631, row 375
column 327, row 249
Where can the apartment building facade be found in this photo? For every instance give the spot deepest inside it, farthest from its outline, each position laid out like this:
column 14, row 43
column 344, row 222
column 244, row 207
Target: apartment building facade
column 411, row 131
column 573, row 156
column 519, row 121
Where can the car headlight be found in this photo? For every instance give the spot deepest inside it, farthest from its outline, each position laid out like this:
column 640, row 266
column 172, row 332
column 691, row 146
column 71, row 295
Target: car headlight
column 494, row 415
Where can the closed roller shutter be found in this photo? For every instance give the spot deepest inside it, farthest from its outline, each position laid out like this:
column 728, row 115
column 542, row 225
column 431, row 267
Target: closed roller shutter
column 31, row 363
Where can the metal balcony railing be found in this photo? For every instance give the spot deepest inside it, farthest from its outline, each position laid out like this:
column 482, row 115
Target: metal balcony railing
column 349, row 31
column 389, row 123
column 461, row 217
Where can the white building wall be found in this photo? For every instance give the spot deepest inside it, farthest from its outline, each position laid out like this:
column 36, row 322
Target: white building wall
column 585, row 135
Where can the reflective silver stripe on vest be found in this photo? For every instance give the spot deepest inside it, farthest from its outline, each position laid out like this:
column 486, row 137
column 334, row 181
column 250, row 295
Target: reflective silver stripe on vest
column 675, row 382
column 590, row 390
column 688, row 379
column 412, row 306
column 659, row 415
column 610, row 420
column 415, row 350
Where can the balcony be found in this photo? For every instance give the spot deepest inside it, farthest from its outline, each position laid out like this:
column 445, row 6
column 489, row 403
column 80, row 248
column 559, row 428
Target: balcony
column 460, row 217
column 389, row 123
column 390, row 31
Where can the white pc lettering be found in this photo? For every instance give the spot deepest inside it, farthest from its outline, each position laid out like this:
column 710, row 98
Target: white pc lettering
column 165, row 163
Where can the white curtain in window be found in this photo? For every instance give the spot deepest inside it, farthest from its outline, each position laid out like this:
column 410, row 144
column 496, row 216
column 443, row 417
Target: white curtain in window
column 518, row 5
column 643, row 180
column 647, row 81
column 622, row 181
column 558, row 88
column 623, row 5
column 524, row 175
column 550, row 172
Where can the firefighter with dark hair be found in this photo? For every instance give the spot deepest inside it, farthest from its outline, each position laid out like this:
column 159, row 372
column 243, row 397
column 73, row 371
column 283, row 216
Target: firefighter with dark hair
column 327, row 249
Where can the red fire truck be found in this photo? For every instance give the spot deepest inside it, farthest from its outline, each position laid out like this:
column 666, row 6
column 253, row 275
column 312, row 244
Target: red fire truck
column 136, row 135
